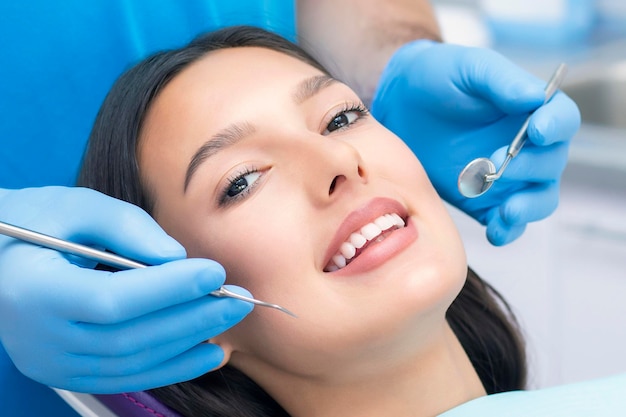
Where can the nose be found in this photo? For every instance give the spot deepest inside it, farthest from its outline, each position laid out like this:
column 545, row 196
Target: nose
column 331, row 167
column 342, row 178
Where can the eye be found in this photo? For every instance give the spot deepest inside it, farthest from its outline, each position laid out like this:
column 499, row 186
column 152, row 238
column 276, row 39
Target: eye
column 345, row 118
column 239, row 186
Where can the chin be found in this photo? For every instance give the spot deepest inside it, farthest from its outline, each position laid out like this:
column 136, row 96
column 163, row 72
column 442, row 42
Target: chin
column 433, row 287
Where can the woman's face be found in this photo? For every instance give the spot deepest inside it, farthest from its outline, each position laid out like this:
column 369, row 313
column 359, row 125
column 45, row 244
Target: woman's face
column 263, row 163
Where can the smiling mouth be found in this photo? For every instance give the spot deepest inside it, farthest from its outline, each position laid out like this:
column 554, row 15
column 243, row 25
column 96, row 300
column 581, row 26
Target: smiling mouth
column 370, row 234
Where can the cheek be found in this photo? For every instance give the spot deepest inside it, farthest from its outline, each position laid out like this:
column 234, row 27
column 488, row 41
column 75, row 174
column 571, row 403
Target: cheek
column 391, row 158
column 259, row 243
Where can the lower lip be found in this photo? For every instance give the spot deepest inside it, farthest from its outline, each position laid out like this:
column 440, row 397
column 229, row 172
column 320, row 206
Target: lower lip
column 378, row 253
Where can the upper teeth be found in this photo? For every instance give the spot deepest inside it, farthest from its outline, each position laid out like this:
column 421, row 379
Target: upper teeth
column 358, row 239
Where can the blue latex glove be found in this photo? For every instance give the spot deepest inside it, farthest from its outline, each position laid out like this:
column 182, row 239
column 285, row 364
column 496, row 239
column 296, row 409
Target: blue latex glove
column 69, row 326
column 452, row 104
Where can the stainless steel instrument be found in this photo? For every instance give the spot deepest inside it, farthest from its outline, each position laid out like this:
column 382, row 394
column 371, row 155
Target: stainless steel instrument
column 108, row 258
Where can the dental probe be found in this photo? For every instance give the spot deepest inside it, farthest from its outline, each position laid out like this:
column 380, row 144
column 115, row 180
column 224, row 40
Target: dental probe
column 520, row 139
column 107, row 258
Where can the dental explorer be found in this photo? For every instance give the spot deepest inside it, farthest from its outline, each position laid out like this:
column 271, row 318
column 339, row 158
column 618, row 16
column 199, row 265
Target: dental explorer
column 108, row 258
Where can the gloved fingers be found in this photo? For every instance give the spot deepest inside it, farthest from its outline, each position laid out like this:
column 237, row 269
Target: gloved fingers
column 88, row 217
column 556, row 121
column 466, row 84
column 184, row 325
column 534, row 203
column 499, row 233
column 113, row 297
column 123, row 228
column 138, row 362
column 508, row 221
column 533, row 163
column 493, row 77
column 191, row 364
column 134, row 349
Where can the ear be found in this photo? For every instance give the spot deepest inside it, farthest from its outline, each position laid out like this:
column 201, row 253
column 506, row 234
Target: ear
column 226, row 346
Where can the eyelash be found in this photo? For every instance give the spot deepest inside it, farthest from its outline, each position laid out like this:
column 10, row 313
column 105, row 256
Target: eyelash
column 225, row 199
column 347, row 108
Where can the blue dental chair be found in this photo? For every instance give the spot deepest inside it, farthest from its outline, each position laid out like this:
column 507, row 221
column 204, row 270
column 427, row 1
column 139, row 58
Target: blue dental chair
column 132, row 404
column 136, row 404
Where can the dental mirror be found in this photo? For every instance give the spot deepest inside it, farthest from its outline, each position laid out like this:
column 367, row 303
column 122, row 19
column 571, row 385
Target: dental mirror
column 473, row 179
column 479, row 175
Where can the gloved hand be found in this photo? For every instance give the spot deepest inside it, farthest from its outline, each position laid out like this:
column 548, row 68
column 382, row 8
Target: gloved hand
column 86, row 330
column 452, row 104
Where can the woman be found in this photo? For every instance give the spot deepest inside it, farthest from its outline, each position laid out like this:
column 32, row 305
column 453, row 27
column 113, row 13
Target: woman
column 320, row 209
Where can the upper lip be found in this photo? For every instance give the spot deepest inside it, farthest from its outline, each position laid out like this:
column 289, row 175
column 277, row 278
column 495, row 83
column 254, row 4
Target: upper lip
column 363, row 215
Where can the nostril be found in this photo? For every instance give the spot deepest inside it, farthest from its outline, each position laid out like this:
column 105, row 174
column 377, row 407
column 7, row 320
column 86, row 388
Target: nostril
column 332, row 186
column 336, row 181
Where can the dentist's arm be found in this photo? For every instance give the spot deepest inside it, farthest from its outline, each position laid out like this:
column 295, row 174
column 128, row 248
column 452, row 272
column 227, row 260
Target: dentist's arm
column 355, row 39
column 449, row 103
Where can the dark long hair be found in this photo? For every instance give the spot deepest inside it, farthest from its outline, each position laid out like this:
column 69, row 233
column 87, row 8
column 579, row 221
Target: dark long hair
column 480, row 317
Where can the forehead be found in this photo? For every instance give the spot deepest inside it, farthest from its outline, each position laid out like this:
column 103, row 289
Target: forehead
column 251, row 67
column 226, row 85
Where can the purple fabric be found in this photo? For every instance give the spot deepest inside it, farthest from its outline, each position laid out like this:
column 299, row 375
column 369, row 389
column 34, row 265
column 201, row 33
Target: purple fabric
column 136, row 404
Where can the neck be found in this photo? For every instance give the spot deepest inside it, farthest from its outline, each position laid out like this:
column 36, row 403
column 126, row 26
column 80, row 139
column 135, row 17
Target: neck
column 439, row 378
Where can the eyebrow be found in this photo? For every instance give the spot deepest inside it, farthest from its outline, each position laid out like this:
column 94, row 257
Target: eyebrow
column 223, row 139
column 311, row 86
column 236, row 132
